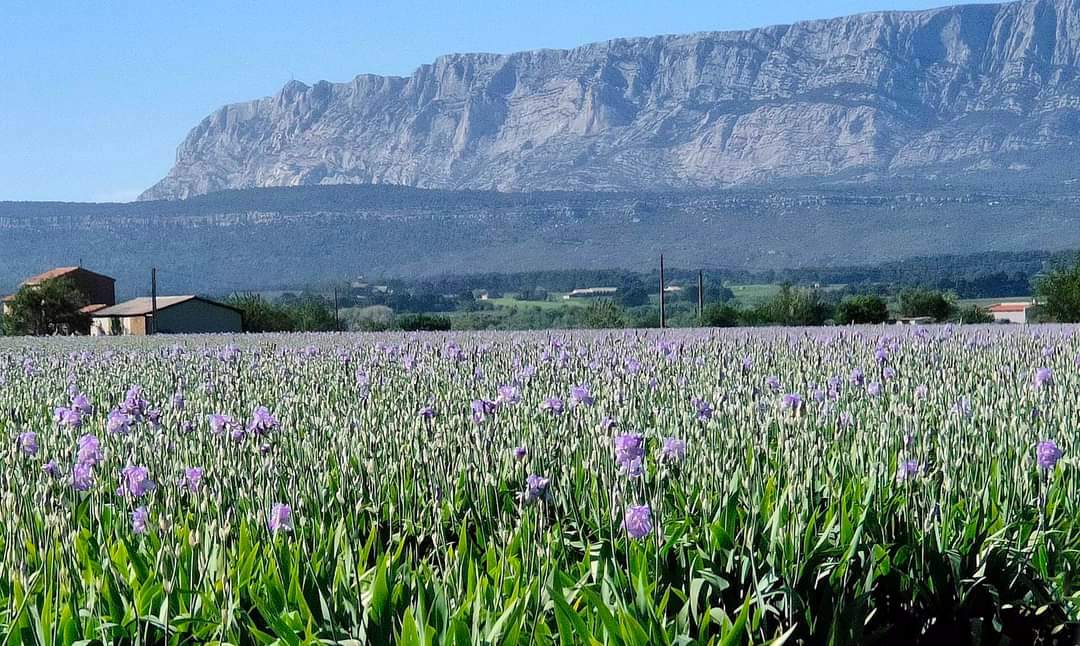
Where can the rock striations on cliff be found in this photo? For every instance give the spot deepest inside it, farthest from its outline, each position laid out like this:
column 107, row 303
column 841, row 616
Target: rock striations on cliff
column 912, row 94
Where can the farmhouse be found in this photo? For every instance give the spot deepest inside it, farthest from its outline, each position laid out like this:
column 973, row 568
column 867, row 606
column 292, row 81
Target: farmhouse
column 175, row 315
column 98, row 289
column 1015, row 312
column 591, row 292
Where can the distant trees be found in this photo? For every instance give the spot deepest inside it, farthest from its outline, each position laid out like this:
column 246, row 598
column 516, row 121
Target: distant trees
column 862, row 309
column 721, row 315
column 52, row 307
column 306, row 313
column 973, row 314
column 794, row 306
column 1060, row 292
column 422, row 323
column 604, row 314
column 925, row 302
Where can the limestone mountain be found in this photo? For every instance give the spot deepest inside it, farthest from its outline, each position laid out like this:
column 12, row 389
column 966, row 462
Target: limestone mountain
column 938, row 93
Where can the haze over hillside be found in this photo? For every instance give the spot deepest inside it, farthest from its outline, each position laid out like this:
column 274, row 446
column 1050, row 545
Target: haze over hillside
column 951, row 92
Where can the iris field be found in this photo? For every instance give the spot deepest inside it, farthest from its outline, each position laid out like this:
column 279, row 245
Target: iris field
column 846, row 485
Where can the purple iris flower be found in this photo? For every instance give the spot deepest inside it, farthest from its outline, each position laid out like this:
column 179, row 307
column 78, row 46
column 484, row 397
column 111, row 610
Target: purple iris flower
column 638, row 521
column 262, row 422
column 28, row 443
column 82, row 477
column 119, row 423
column 552, row 405
column 747, row 364
column 140, row 520
column 772, row 382
column 81, row 404
column 135, row 482
column 89, row 450
column 219, row 423
column 280, row 518
column 888, row 374
column 873, row 389
column 818, row 395
column 1047, row 454
column 520, row 453
column 702, row 408
column 508, row 395
column 51, row 469
column 857, row 377
column 178, row 402
column 881, row 355
column 1043, row 377
column 628, row 447
column 633, row 366
column 672, row 449
column 481, row 408
column 908, row 469
column 154, row 417
column 427, row 412
column 581, row 395
column 68, row 417
column 192, row 479
column 792, row 402
column 963, row 407
column 922, row 391
column 536, row 488
column 134, row 403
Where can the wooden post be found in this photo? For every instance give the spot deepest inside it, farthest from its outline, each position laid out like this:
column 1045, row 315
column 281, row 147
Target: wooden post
column 663, row 322
column 153, row 301
column 700, row 295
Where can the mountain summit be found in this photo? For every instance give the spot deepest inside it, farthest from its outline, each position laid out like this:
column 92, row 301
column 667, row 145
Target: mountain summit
column 954, row 91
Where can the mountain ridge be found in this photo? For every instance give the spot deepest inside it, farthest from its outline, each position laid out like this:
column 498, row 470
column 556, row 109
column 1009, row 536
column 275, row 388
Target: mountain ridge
column 953, row 91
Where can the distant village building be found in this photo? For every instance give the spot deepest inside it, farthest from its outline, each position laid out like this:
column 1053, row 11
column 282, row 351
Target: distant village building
column 175, row 315
column 672, row 289
column 592, row 292
column 1015, row 312
column 98, row 290
column 915, row 320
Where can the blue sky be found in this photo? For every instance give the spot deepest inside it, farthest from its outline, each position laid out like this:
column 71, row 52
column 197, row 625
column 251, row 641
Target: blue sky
column 97, row 95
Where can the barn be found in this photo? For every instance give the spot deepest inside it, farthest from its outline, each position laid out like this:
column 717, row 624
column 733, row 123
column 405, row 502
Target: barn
column 99, row 290
column 175, row 315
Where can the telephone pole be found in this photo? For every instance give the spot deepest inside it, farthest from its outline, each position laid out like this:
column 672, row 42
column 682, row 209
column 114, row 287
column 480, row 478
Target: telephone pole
column 153, row 300
column 700, row 295
column 337, row 321
column 662, row 317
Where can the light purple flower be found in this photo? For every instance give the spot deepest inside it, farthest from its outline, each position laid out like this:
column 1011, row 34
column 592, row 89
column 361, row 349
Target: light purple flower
column 628, row 447
column 1043, row 377
column 481, row 409
column 89, row 450
column 119, row 422
column 888, row 374
column 922, row 391
column 178, row 402
column 135, row 482
column 427, row 412
column 520, row 453
column 607, row 423
column 702, row 408
column 81, row 404
column 580, row 395
column 552, row 405
column 219, row 423
column 508, row 395
column 857, row 377
column 873, row 389
column 638, row 521
column 672, row 449
column 906, row 470
column 536, row 488
column 772, row 382
column 262, row 422
column 28, row 443
column 280, row 518
column 792, row 402
column 192, row 479
column 51, row 469
column 140, row 520
column 68, row 417
column 1047, row 454
column 82, row 477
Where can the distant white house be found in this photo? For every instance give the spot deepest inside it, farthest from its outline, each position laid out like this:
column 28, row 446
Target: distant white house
column 1015, row 312
column 592, row 292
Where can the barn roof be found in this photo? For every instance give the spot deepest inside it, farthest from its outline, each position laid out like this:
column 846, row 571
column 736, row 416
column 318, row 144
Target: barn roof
column 60, row 272
column 1011, row 307
column 144, row 305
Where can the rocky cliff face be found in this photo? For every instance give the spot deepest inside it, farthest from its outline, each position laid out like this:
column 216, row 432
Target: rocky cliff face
column 953, row 90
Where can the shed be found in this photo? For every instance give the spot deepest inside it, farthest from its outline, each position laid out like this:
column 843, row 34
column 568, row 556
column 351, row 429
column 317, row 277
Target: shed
column 175, row 315
column 1015, row 312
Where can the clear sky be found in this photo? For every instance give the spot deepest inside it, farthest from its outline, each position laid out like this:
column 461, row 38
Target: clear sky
column 97, row 95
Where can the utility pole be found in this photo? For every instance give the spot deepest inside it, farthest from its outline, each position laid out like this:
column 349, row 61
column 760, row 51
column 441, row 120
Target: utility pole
column 153, row 300
column 337, row 321
column 662, row 318
column 700, row 295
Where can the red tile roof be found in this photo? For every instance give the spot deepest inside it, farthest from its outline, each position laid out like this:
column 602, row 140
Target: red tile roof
column 1010, row 307
column 49, row 275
